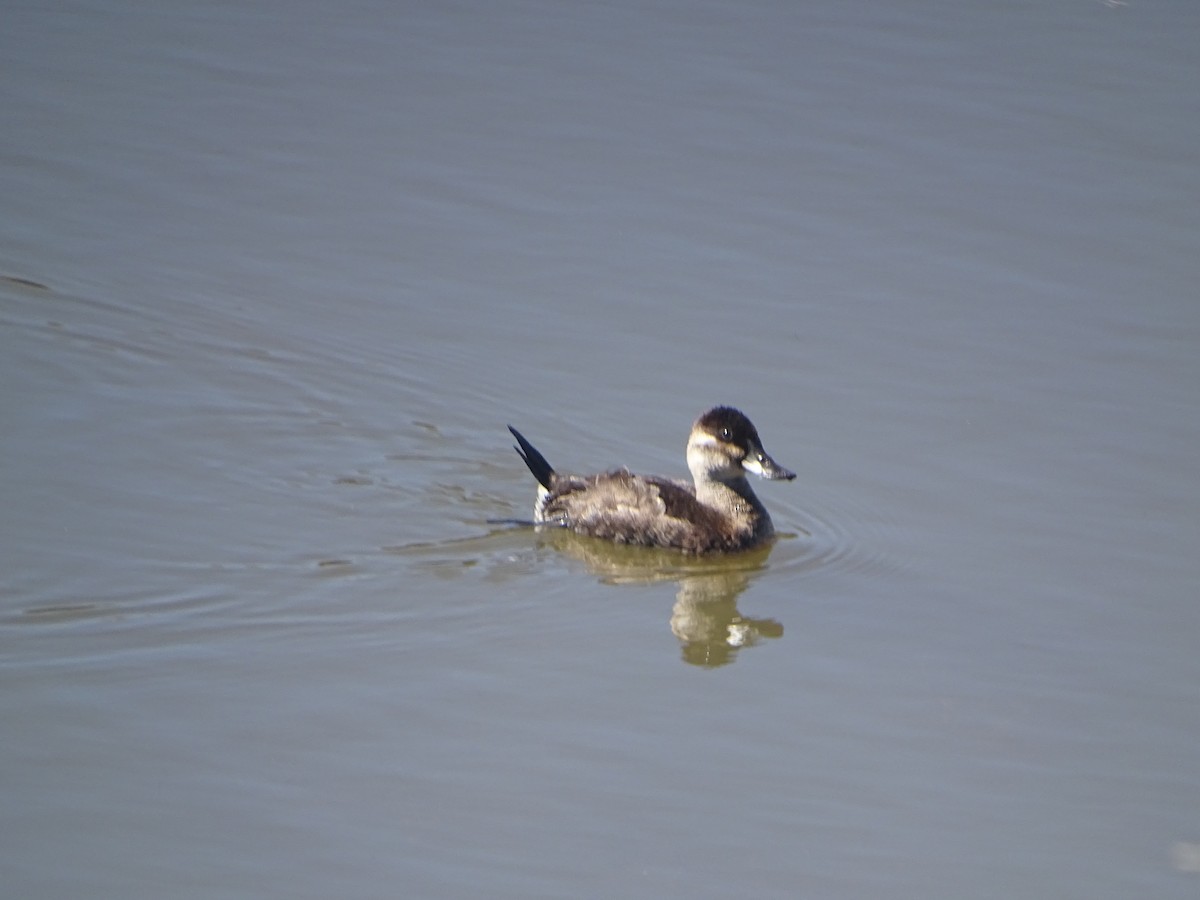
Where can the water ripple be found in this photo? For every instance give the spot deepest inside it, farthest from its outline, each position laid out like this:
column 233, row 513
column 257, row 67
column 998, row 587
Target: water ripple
column 833, row 537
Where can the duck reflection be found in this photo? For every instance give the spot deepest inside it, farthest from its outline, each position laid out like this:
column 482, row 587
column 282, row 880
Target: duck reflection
column 705, row 618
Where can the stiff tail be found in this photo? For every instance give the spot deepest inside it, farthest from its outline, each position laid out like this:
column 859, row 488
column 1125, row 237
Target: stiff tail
column 541, row 469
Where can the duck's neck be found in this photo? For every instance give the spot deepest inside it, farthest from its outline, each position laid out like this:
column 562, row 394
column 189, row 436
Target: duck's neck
column 735, row 500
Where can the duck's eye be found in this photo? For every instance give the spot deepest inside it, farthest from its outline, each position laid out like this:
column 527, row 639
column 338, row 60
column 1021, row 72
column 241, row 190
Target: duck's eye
column 726, row 434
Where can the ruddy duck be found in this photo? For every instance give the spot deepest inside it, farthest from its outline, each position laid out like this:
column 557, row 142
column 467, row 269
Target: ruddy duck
column 719, row 512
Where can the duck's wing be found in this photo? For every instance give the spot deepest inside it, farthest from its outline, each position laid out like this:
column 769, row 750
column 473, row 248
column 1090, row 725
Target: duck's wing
column 633, row 509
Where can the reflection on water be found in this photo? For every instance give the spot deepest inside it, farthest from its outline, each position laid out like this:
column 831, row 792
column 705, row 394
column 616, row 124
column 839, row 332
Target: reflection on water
column 1185, row 856
column 706, row 620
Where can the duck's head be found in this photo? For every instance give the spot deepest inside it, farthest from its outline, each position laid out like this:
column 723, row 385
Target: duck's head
column 724, row 446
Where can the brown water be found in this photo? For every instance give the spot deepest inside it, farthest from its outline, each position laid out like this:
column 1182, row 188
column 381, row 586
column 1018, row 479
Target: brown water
column 277, row 277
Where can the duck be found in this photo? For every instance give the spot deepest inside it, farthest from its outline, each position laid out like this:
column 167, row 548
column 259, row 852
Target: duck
column 717, row 512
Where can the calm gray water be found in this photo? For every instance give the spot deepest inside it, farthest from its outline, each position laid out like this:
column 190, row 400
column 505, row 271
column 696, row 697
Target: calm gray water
column 277, row 275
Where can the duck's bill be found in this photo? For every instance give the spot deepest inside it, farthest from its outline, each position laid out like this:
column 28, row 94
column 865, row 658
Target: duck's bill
column 761, row 464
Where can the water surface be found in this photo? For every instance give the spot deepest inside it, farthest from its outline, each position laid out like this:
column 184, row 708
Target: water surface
column 277, row 277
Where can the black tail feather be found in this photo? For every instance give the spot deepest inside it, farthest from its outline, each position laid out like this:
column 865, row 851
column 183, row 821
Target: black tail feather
column 541, row 469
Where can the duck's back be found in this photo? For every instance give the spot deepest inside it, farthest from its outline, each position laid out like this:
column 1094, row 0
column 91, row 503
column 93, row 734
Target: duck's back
column 635, row 509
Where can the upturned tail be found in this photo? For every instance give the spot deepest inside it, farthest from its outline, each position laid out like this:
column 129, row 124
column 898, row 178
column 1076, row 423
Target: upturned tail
column 541, row 469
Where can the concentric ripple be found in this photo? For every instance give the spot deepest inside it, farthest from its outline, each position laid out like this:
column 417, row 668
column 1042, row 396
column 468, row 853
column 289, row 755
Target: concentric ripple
column 831, row 537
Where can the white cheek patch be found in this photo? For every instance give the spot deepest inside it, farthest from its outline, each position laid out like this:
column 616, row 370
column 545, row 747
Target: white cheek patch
column 703, row 439
column 752, row 465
